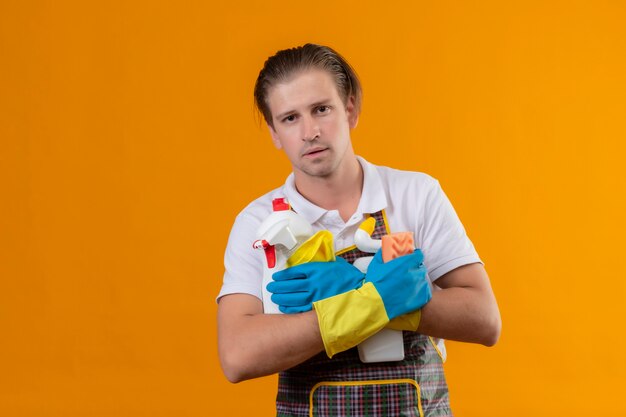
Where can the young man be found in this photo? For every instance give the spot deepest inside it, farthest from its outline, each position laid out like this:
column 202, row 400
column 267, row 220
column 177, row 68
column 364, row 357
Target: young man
column 310, row 98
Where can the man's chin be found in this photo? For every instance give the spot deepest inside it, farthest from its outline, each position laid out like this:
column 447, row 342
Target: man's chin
column 318, row 170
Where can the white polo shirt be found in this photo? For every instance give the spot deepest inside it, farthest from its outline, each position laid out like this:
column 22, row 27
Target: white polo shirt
column 412, row 201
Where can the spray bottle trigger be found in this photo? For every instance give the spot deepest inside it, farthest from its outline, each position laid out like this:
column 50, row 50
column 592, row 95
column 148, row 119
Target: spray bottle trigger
column 270, row 256
column 270, row 251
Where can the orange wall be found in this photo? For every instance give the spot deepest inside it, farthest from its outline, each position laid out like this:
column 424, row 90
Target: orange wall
column 128, row 143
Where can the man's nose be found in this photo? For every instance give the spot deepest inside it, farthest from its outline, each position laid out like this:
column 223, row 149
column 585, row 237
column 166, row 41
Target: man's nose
column 311, row 129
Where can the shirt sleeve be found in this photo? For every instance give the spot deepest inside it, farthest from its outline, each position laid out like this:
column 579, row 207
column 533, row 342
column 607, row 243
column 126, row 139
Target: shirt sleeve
column 242, row 263
column 442, row 235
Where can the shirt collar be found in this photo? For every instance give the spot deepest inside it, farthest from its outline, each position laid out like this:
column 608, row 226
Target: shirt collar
column 301, row 205
column 373, row 196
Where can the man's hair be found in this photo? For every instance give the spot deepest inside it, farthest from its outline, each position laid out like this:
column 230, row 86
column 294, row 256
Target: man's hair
column 288, row 62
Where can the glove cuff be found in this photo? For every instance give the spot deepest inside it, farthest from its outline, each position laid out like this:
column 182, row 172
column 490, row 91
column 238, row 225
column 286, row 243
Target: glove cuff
column 410, row 321
column 347, row 319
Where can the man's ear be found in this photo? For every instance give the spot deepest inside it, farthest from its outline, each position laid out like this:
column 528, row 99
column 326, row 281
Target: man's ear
column 353, row 116
column 275, row 138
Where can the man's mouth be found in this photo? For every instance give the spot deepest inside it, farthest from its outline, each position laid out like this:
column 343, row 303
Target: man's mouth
column 314, row 151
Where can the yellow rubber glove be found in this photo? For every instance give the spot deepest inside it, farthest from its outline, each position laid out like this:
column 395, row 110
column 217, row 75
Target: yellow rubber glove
column 318, row 248
column 340, row 327
column 410, row 321
column 392, row 289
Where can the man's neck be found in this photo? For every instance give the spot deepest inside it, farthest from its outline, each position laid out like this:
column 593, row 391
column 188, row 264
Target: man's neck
column 341, row 191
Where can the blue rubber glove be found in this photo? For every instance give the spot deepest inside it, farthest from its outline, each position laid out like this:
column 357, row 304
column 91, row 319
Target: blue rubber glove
column 401, row 282
column 295, row 289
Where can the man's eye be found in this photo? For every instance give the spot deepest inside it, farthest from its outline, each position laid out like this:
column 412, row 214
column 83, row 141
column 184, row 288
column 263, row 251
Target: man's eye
column 323, row 109
column 289, row 118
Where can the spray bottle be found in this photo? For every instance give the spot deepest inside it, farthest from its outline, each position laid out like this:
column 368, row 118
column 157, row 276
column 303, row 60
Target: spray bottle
column 279, row 236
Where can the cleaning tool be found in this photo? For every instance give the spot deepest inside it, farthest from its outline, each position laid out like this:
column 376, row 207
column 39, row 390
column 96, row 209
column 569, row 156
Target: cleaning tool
column 279, row 236
column 388, row 344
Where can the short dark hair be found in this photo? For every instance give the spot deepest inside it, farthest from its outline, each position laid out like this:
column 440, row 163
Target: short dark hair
column 286, row 63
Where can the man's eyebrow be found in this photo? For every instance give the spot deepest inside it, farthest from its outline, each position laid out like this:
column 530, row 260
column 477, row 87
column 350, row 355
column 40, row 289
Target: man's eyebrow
column 280, row 116
column 316, row 104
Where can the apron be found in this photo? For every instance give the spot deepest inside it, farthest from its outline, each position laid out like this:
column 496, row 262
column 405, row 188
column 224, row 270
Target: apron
column 344, row 386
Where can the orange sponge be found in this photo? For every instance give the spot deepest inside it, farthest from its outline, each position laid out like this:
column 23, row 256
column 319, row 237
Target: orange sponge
column 397, row 244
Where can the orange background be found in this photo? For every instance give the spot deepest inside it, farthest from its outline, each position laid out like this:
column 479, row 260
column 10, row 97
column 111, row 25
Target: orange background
column 128, row 143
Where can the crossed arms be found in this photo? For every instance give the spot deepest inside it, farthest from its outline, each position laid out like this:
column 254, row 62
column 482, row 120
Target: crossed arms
column 252, row 344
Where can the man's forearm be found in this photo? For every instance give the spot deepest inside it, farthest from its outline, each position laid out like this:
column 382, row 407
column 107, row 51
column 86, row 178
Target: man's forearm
column 465, row 310
column 256, row 344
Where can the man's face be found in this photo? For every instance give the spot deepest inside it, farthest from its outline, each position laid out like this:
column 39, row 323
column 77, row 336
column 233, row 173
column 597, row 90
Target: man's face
column 311, row 123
